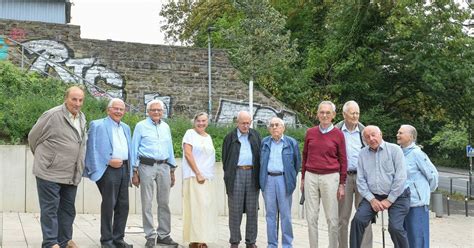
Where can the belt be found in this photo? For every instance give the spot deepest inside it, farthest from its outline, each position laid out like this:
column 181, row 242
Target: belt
column 151, row 161
column 275, row 174
column 351, row 172
column 124, row 163
column 245, row 167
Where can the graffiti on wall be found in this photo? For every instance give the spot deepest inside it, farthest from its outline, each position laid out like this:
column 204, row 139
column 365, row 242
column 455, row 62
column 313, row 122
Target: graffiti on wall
column 165, row 99
column 3, row 49
column 54, row 55
column 228, row 110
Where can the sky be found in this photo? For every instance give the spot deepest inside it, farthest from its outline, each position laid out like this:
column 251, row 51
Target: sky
column 120, row 20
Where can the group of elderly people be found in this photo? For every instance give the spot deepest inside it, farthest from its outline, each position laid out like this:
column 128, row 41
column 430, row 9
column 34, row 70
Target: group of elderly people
column 342, row 165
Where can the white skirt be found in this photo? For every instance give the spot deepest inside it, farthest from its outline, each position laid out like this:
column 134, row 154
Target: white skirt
column 200, row 214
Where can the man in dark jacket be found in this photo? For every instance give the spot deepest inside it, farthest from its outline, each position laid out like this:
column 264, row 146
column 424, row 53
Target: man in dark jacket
column 241, row 161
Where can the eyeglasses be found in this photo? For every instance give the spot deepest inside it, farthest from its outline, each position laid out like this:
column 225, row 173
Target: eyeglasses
column 325, row 113
column 117, row 109
column 155, row 110
column 354, row 113
column 274, row 125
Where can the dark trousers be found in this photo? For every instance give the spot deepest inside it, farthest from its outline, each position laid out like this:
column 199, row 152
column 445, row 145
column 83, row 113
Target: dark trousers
column 396, row 217
column 113, row 187
column 57, row 211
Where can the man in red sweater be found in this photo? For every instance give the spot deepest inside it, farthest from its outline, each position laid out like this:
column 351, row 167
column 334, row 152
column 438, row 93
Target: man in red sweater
column 323, row 171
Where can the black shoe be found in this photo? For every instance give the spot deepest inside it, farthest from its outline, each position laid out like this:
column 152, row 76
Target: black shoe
column 122, row 244
column 150, row 243
column 166, row 241
column 107, row 245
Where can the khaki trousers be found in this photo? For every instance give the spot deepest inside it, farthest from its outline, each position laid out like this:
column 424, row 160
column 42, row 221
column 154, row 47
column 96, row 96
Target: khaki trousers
column 319, row 187
column 345, row 211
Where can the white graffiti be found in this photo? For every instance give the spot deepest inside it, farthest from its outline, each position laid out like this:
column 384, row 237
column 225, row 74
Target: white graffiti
column 56, row 55
column 228, row 110
column 165, row 99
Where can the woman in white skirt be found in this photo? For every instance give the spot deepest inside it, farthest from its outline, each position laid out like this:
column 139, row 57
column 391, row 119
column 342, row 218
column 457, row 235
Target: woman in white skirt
column 200, row 218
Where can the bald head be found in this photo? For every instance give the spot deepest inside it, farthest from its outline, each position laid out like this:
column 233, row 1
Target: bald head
column 244, row 119
column 372, row 136
column 74, row 98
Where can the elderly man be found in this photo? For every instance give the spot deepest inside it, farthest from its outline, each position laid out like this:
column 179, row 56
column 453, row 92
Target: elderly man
column 154, row 164
column 58, row 143
column 107, row 156
column 280, row 163
column 352, row 130
column 323, row 173
column 381, row 178
column 241, row 162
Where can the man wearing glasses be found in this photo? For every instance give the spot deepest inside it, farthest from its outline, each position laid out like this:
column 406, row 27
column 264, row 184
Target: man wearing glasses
column 323, row 173
column 107, row 156
column 154, row 164
column 280, row 163
column 352, row 130
column 241, row 162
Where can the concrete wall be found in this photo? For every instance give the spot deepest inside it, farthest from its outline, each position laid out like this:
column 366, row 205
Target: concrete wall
column 18, row 187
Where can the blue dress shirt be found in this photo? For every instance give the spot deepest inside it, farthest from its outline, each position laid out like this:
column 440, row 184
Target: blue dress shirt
column 245, row 155
column 152, row 140
column 275, row 161
column 353, row 147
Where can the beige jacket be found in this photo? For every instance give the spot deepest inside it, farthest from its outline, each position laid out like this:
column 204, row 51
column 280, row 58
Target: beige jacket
column 57, row 146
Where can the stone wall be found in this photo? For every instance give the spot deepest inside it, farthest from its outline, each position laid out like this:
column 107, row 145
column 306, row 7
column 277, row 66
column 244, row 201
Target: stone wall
column 137, row 72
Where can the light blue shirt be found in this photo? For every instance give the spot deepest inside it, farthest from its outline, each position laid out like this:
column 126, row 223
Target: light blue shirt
column 245, row 154
column 353, row 146
column 326, row 130
column 119, row 142
column 152, row 140
column 381, row 172
column 275, row 161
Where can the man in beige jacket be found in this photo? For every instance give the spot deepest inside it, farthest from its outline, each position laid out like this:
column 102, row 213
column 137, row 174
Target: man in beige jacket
column 58, row 142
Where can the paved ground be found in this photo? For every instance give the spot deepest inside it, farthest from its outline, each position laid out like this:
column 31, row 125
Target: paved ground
column 23, row 230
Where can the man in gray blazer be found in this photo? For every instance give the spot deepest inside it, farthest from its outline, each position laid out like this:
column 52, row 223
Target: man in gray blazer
column 58, row 142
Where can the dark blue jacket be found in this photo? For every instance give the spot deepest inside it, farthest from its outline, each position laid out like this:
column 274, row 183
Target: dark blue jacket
column 291, row 162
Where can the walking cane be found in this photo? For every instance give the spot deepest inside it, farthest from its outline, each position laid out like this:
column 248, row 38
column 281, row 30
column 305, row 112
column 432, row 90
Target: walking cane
column 383, row 231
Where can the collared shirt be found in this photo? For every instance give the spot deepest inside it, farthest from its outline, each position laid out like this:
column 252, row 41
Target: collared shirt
column 152, row 140
column 275, row 161
column 119, row 141
column 245, row 154
column 381, row 172
column 353, row 146
column 326, row 130
column 76, row 122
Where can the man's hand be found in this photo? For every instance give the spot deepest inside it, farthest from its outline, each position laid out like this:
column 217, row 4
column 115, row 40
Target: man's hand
column 115, row 163
column 376, row 205
column 173, row 179
column 386, row 204
column 136, row 179
column 302, row 185
column 200, row 179
column 340, row 192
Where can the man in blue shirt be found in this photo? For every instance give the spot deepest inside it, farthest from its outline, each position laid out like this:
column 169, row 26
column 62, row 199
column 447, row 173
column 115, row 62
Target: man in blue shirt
column 154, row 164
column 280, row 163
column 241, row 163
column 381, row 180
column 352, row 130
column 107, row 157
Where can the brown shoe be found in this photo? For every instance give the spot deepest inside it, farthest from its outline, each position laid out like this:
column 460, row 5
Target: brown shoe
column 234, row 245
column 202, row 245
column 193, row 245
column 251, row 246
column 71, row 244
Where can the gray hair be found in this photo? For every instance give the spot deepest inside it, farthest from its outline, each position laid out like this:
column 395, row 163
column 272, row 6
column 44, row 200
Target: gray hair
column 243, row 112
column 333, row 106
column 277, row 119
column 155, row 101
column 113, row 100
column 199, row 115
column 369, row 127
column 348, row 104
column 412, row 130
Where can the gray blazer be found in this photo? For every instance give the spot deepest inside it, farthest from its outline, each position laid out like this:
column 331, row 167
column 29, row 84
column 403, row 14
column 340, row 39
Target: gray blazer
column 58, row 148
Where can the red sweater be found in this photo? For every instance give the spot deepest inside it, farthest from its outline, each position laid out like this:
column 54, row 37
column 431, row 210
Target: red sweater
column 325, row 153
